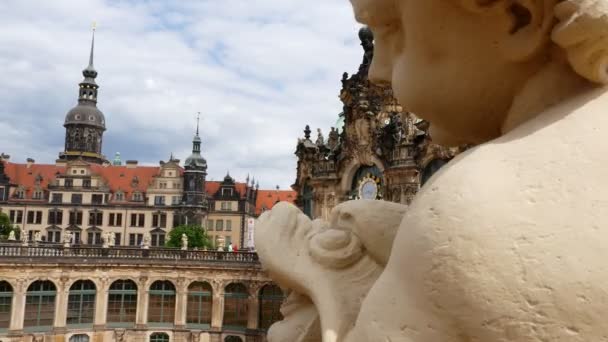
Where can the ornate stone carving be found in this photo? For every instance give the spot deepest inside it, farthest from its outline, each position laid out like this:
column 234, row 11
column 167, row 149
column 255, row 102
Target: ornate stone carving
column 344, row 256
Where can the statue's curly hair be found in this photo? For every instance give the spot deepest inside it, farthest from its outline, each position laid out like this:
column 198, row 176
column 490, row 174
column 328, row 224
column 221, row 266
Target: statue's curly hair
column 580, row 29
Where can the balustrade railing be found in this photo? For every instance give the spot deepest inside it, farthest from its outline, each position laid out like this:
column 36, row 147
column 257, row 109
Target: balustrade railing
column 50, row 251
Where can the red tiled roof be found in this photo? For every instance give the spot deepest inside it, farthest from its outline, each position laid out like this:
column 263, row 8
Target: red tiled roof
column 268, row 198
column 212, row 187
column 117, row 177
column 121, row 178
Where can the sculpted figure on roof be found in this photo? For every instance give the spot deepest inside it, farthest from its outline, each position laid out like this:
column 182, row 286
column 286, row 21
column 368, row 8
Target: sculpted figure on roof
column 506, row 242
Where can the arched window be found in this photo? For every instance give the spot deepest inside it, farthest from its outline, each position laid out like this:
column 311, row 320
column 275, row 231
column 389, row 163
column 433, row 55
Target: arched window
column 40, row 306
column 235, row 306
column 271, row 297
column 161, row 306
column 200, row 299
column 122, row 303
column 159, row 337
column 80, row 338
column 81, row 303
column 6, row 298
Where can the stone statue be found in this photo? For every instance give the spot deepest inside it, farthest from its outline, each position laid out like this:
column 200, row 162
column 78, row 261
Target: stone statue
column 506, row 242
column 221, row 243
column 37, row 237
column 23, row 235
column 105, row 240
column 145, row 243
column 11, row 236
column 347, row 250
column 112, row 237
column 184, row 242
column 67, row 239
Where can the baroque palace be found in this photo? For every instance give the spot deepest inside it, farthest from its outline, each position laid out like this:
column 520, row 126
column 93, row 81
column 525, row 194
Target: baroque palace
column 65, row 279
column 377, row 150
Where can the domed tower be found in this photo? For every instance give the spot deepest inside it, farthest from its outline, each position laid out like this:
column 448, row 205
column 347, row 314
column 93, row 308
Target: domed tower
column 194, row 201
column 85, row 124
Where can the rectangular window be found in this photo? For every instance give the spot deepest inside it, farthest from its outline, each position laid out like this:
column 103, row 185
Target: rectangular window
column 95, row 218
column 117, row 239
column 76, row 198
column 76, row 218
column 159, row 200
column 158, row 240
column 57, row 198
column 37, row 194
column 77, row 240
column 219, row 225
column 223, row 205
column 115, row 220
column 16, row 216
column 159, row 220
column 135, row 239
column 228, row 225
column 94, row 238
column 209, row 224
column 119, row 196
column 175, row 200
column 55, row 217
column 54, row 237
column 69, row 183
column 228, row 239
column 137, row 220
column 86, row 183
column 97, row 199
column 229, row 206
column 34, row 217
column 226, row 192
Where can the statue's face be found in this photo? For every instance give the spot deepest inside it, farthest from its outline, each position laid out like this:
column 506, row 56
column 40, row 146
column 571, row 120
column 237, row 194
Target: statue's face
column 445, row 63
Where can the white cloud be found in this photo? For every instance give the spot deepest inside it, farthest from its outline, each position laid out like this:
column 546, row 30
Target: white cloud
column 259, row 71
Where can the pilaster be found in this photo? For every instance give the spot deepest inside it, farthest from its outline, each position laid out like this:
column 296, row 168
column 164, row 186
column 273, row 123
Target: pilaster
column 101, row 304
column 61, row 304
column 142, row 303
column 181, row 302
column 18, row 307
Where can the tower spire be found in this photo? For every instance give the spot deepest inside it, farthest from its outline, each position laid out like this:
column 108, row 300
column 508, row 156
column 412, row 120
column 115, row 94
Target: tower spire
column 90, row 71
column 198, row 118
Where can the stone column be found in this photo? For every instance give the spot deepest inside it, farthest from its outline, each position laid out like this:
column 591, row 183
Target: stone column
column 61, row 305
column 181, row 302
column 142, row 303
column 101, row 304
column 18, row 308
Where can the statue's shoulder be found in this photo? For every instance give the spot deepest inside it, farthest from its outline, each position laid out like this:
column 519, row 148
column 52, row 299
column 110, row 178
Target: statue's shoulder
column 554, row 162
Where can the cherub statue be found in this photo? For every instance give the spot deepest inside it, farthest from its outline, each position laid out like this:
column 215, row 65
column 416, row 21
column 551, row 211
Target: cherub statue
column 23, row 236
column 37, row 237
column 505, row 242
column 11, row 236
column 184, row 242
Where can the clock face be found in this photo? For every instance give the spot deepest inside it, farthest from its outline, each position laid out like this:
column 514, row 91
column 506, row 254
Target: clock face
column 368, row 189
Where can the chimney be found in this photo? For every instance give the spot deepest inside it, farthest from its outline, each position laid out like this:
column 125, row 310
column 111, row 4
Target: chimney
column 30, row 162
column 131, row 164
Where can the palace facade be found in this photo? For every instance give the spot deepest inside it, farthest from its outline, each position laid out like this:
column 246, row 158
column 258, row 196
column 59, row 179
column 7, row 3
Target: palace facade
column 62, row 280
column 377, row 150
column 86, row 195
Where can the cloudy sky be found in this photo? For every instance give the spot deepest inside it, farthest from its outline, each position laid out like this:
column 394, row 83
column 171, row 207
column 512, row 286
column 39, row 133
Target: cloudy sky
column 257, row 70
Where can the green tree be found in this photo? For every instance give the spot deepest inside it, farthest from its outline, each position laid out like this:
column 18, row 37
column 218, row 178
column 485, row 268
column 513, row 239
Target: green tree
column 197, row 237
column 6, row 227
